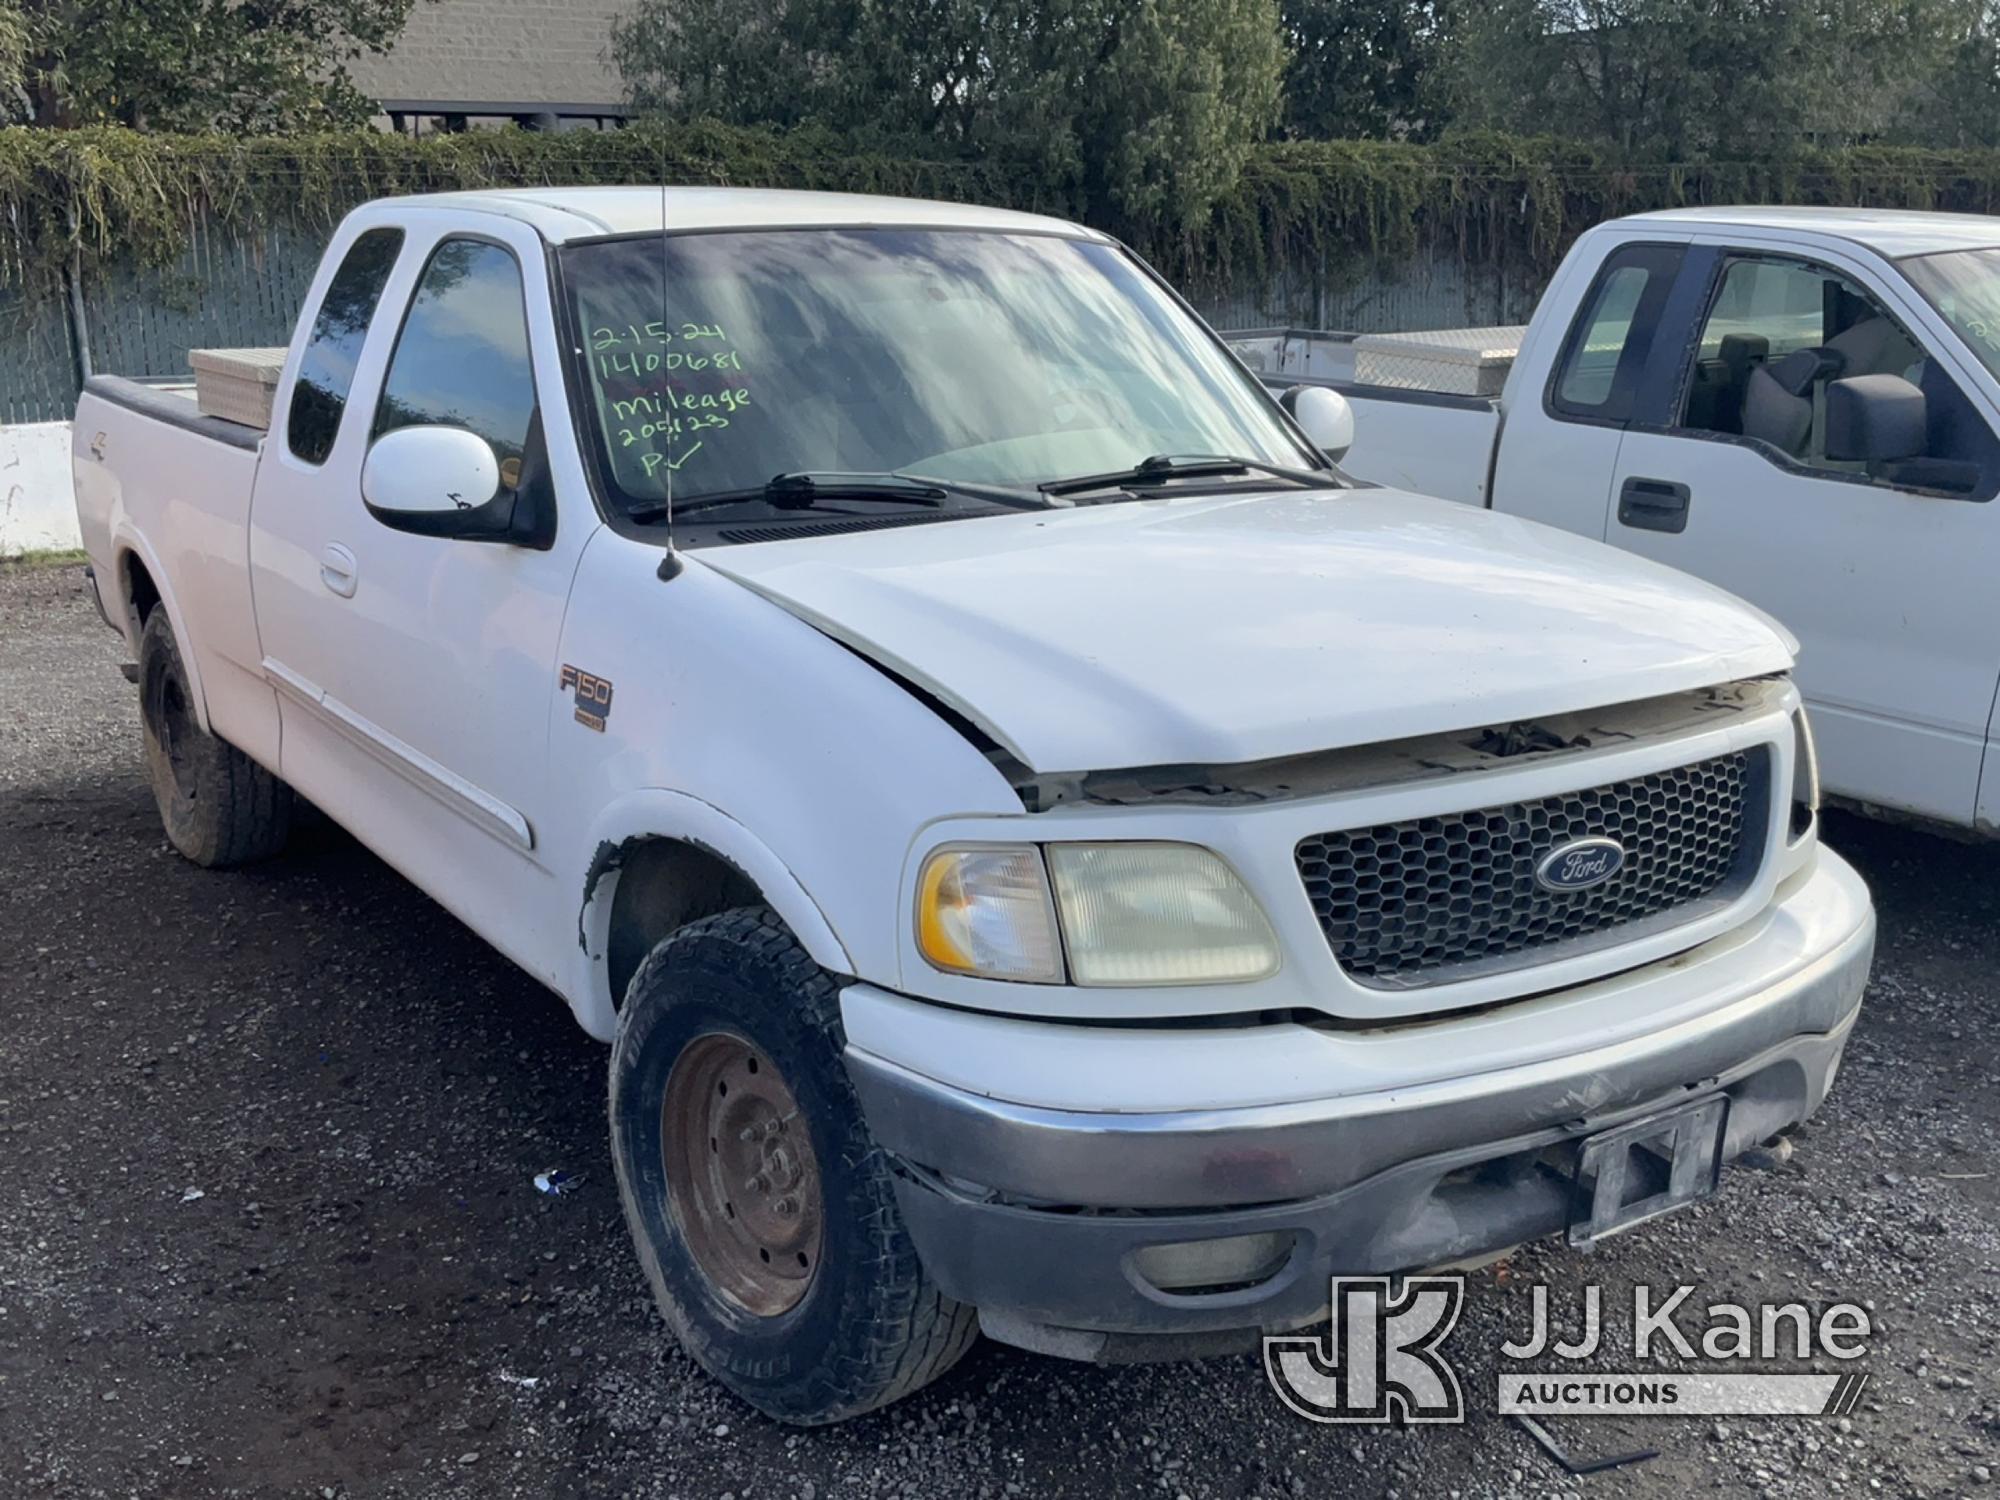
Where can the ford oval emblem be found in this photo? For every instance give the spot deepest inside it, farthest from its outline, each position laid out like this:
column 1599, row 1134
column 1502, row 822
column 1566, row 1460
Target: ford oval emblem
column 1580, row 864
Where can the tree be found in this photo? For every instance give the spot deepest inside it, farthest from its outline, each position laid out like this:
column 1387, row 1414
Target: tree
column 1679, row 79
column 1958, row 104
column 201, row 64
column 1363, row 68
column 14, row 44
column 1149, row 105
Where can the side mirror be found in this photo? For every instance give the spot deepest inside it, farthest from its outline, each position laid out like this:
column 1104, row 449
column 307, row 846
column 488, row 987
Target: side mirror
column 1875, row 419
column 1324, row 416
column 438, row 481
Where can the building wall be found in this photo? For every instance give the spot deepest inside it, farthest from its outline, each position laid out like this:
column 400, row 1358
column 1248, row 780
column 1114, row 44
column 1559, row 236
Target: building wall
column 500, row 51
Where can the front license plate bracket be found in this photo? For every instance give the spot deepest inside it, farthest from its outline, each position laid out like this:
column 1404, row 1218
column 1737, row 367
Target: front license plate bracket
column 1647, row 1167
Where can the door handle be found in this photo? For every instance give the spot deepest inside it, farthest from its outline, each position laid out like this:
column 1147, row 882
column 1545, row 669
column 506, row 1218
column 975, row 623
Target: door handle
column 338, row 570
column 1653, row 505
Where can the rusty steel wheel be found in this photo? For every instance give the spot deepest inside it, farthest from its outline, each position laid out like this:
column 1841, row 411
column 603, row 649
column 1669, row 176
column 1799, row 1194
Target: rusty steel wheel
column 742, row 1179
column 764, row 1215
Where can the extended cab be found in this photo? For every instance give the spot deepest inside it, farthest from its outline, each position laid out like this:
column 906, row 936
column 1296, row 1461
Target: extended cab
column 1049, row 853
column 1800, row 405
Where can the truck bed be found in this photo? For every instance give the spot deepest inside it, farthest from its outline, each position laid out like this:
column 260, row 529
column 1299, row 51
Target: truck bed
column 1397, row 437
column 1396, row 427
column 1424, row 441
column 164, row 489
column 172, row 402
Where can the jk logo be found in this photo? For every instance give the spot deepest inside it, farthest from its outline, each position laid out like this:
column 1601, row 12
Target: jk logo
column 1379, row 1361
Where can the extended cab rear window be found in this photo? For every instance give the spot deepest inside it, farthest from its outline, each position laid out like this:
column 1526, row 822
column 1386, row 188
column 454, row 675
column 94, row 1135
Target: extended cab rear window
column 1607, row 345
column 326, row 369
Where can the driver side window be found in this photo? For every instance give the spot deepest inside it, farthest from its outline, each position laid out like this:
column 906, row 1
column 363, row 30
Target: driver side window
column 1811, row 368
column 462, row 357
column 1778, row 333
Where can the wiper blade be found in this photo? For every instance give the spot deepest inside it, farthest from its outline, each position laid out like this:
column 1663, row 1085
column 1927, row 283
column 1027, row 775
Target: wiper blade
column 1164, row 466
column 804, row 490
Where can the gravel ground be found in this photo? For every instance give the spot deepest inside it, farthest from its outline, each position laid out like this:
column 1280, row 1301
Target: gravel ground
column 269, row 1227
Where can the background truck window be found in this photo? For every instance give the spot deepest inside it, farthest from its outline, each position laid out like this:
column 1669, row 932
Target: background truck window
column 1964, row 286
column 1803, row 325
column 1609, row 342
column 1593, row 360
column 462, row 358
column 1779, row 331
column 1777, row 301
column 326, row 369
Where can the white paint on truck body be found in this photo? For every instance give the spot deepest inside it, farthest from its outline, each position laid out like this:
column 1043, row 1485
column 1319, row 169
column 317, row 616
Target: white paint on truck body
column 1224, row 630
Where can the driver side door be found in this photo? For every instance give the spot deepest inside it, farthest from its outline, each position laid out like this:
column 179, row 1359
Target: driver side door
column 415, row 672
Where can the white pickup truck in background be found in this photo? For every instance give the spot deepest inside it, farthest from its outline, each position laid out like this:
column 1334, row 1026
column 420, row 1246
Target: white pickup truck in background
column 1051, row 854
column 1801, row 405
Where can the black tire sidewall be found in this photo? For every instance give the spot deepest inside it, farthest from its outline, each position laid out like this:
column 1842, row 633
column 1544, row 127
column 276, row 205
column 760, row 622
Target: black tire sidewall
column 799, row 1364
column 159, row 664
column 233, row 810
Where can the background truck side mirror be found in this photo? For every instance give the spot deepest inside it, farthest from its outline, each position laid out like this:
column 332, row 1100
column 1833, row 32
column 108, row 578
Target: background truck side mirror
column 1875, row 419
column 438, row 481
column 1324, row 416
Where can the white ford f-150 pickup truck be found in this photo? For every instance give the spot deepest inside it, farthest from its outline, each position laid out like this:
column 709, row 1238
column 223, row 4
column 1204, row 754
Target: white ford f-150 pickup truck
column 1050, row 854
column 1801, row 405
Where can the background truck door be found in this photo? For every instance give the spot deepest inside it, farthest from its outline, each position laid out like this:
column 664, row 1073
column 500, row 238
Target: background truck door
column 416, row 673
column 1565, row 413
column 1885, row 575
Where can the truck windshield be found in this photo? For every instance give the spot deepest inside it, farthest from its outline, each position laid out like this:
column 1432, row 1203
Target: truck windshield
column 990, row 359
column 1964, row 286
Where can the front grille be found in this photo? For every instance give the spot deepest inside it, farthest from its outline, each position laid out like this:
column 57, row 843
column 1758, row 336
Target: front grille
column 1434, row 900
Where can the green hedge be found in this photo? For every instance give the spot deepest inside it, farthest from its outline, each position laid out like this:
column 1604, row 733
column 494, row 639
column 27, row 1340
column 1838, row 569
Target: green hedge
column 1505, row 201
column 112, row 194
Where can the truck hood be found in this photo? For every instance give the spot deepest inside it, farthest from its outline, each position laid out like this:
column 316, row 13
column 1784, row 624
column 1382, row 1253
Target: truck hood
column 1229, row 629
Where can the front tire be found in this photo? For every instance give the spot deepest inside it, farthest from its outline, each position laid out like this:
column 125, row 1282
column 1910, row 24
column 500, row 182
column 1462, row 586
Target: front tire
column 219, row 807
column 764, row 1215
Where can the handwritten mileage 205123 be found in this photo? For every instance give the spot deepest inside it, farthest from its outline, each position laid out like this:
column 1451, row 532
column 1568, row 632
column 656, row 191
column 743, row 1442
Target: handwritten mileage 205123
column 668, row 389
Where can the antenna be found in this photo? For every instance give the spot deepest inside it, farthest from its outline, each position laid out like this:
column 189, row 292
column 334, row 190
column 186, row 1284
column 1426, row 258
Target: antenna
column 670, row 565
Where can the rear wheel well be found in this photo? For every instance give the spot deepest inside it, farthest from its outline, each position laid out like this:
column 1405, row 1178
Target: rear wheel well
column 664, row 884
column 140, row 592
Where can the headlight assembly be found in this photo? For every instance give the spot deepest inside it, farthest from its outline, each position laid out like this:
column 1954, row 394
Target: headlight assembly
column 1128, row 913
column 984, row 909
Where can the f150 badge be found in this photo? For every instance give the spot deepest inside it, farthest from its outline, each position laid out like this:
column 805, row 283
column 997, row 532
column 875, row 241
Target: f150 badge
column 593, row 696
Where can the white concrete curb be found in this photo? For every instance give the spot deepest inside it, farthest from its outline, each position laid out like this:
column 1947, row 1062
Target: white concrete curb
column 37, row 506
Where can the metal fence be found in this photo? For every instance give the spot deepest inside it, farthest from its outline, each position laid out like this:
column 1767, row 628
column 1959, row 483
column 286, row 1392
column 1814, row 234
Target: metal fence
column 234, row 290
column 38, row 366
column 224, row 292
column 1435, row 288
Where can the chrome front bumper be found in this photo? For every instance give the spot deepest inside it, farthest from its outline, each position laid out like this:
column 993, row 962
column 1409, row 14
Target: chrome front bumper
column 1048, row 1219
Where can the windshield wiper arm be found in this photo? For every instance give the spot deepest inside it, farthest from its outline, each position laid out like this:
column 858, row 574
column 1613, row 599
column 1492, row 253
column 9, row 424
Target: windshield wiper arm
column 804, row 490
column 1164, row 466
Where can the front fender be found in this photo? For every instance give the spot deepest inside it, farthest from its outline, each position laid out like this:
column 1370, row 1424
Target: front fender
column 653, row 812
